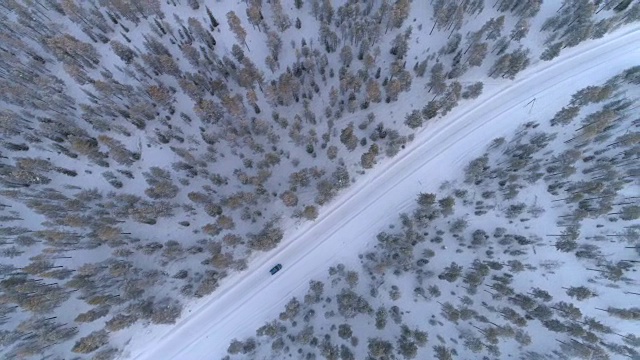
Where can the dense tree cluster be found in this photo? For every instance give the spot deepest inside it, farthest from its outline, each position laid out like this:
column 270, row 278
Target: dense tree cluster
column 478, row 274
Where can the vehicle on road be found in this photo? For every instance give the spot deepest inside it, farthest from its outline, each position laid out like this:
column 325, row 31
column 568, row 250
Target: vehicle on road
column 275, row 269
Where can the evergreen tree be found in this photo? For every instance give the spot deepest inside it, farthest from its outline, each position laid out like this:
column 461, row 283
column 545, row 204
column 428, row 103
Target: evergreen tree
column 236, row 27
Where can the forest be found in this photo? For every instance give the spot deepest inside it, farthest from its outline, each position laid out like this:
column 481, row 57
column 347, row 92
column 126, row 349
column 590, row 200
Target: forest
column 150, row 149
column 512, row 288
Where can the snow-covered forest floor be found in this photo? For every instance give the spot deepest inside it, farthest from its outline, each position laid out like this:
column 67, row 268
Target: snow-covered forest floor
column 529, row 255
column 526, row 213
column 151, row 151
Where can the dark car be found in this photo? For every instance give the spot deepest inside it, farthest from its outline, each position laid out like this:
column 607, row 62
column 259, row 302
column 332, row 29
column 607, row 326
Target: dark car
column 275, row 269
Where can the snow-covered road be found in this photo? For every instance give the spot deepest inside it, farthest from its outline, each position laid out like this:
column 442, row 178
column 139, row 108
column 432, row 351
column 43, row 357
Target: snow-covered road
column 245, row 301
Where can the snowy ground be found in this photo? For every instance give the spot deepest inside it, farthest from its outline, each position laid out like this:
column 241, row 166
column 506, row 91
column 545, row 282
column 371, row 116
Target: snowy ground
column 245, row 301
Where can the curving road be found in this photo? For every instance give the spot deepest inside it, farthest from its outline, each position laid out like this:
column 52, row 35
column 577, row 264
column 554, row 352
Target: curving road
column 247, row 300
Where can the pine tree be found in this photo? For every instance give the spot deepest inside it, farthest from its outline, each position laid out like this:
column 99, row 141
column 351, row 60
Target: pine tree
column 581, row 293
column 254, row 14
column 442, row 353
column 274, row 44
column 437, row 81
column 565, row 115
column 509, row 65
column 373, row 91
column 348, row 138
column 413, row 119
column 473, row 91
column 399, row 12
column 477, row 55
column 280, row 19
column 122, row 51
column 493, row 28
column 380, row 349
column 69, row 49
column 520, row 30
column 346, row 55
column 236, row 27
column 91, row 342
column 450, row 98
column 552, row 51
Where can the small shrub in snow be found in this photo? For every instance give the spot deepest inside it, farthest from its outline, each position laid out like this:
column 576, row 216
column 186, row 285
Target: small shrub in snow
column 477, row 169
column 394, row 293
column 160, row 183
column 541, row 294
column 327, row 349
column 625, row 314
column 351, row 304
column 434, row 291
column 346, row 353
column 92, row 314
column 109, row 353
column 566, row 245
column 515, row 266
column 473, row 91
column 426, row 199
column 213, row 209
column 380, row 349
column 91, row 342
column 208, row 284
column 242, row 347
column 395, row 142
column 305, row 335
column 289, row 198
column 631, row 212
column 326, row 191
column 430, row 110
column 458, row 225
column 314, row 295
column 406, row 347
column 332, row 152
column 310, row 212
column 212, row 229
column 291, row 310
column 225, row 222
column 479, row 237
column 232, row 240
column 352, row 278
column 381, row 318
column 513, row 211
column 442, row 353
column 565, row 115
column 451, row 273
column 583, row 350
column 413, row 119
column 446, row 205
column 581, row 293
column 120, row 321
column 450, row 313
column 395, row 314
column 166, row 311
column 348, row 138
column 344, row 331
column 277, row 345
column 271, row 329
column 172, row 250
column 368, row 159
column 268, row 238
column 499, row 232
column 540, row 312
